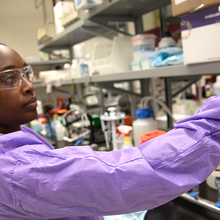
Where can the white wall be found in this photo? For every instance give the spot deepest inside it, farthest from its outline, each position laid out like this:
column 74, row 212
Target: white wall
column 19, row 22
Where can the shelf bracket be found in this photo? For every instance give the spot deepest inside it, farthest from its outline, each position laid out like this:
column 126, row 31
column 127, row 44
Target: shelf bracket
column 110, row 86
column 103, row 22
column 96, row 32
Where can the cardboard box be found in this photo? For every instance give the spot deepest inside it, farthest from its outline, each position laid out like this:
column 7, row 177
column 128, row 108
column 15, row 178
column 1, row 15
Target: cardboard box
column 182, row 7
column 200, row 36
column 60, row 9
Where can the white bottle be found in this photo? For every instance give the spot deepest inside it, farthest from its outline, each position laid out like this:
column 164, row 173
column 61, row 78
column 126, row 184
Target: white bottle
column 216, row 86
column 144, row 123
column 59, row 130
column 75, row 69
column 125, row 130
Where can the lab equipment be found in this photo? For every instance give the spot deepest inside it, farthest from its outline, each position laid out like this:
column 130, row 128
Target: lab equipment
column 108, row 122
column 131, row 216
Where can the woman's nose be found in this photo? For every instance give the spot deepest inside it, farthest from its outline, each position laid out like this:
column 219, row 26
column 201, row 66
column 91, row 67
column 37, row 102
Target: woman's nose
column 27, row 86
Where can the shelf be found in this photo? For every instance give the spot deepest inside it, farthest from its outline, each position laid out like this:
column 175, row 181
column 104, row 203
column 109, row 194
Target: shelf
column 50, row 62
column 71, row 35
column 210, row 68
column 128, row 8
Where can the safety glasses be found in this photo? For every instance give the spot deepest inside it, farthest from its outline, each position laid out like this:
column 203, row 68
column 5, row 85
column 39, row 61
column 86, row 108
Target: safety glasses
column 11, row 79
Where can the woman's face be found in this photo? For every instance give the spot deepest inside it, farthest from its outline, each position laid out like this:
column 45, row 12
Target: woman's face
column 17, row 105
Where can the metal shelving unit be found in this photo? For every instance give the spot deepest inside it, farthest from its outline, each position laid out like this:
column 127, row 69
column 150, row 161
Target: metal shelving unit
column 95, row 22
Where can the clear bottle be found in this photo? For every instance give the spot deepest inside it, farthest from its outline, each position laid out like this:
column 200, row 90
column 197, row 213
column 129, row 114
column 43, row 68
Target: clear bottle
column 144, row 123
column 216, row 86
column 74, row 71
column 59, row 130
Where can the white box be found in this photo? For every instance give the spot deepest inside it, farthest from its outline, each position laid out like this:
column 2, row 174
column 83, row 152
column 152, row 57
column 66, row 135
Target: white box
column 200, row 36
column 60, row 9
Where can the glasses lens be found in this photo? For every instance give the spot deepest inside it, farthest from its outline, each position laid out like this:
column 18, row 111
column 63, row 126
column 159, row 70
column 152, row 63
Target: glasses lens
column 10, row 79
column 28, row 73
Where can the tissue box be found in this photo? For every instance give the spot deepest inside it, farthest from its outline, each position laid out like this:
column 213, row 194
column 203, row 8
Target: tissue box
column 200, row 36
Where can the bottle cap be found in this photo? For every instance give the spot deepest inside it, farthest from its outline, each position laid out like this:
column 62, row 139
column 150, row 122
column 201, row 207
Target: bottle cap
column 143, row 113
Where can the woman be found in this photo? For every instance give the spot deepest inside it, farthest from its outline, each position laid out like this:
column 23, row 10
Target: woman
column 40, row 182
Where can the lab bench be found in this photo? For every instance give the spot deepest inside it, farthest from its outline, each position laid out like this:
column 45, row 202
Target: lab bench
column 181, row 209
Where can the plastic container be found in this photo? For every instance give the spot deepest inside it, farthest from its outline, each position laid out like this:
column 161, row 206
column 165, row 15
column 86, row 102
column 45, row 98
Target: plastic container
column 59, row 130
column 112, row 57
column 139, row 53
column 216, row 86
column 211, row 179
column 150, row 135
column 144, row 123
column 147, row 60
column 148, row 40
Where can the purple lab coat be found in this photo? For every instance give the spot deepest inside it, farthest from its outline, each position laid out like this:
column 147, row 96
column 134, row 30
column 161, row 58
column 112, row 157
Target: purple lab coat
column 40, row 182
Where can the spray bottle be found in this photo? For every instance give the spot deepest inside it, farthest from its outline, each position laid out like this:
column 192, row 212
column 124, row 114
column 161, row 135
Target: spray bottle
column 125, row 129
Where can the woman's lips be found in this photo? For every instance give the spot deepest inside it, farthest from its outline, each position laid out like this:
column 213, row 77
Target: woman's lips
column 31, row 104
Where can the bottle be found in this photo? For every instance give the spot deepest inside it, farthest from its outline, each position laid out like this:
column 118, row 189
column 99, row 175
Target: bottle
column 125, row 129
column 84, row 69
column 59, row 130
column 216, row 86
column 144, row 123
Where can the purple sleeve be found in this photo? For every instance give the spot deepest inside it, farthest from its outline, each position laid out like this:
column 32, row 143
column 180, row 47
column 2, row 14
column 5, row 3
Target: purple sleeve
column 77, row 181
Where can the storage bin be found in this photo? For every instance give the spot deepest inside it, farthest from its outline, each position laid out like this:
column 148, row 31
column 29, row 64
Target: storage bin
column 150, row 135
column 112, row 57
column 144, row 39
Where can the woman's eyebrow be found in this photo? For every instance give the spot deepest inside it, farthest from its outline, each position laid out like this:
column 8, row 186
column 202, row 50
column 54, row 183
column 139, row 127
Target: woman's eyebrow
column 7, row 68
column 11, row 67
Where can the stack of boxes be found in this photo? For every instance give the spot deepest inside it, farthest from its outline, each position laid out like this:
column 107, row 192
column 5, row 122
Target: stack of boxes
column 143, row 48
